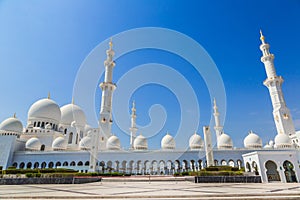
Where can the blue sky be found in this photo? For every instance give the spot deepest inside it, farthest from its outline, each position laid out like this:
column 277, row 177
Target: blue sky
column 43, row 44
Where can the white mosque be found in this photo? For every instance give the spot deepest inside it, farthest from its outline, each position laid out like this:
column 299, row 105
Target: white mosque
column 57, row 137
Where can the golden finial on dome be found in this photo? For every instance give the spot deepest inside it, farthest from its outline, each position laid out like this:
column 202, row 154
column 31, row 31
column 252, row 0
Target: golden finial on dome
column 48, row 95
column 262, row 37
column 110, row 43
column 15, row 116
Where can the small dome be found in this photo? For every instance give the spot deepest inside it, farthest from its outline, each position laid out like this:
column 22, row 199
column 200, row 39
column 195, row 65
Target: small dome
column 196, row 142
column 168, row 142
column 85, row 143
column 252, row 140
column 225, row 142
column 33, row 144
column 45, row 109
column 140, row 143
column 113, row 143
column 282, row 141
column 11, row 124
column 269, row 145
column 59, row 144
column 72, row 112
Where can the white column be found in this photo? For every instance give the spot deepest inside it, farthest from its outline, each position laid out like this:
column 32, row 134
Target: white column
column 208, row 146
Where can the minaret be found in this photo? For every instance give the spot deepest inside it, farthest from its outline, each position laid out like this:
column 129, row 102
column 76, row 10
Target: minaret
column 133, row 129
column 108, row 87
column 218, row 128
column 281, row 114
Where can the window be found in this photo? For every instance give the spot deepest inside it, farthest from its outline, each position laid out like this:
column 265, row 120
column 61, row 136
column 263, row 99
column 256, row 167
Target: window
column 70, row 138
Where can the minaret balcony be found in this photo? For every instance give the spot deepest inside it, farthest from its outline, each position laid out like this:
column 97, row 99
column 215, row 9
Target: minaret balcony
column 107, row 85
column 273, row 81
column 269, row 57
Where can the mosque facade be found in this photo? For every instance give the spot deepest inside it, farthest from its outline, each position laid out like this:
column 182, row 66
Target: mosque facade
column 59, row 137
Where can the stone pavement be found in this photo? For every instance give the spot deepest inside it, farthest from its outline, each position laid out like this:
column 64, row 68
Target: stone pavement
column 153, row 190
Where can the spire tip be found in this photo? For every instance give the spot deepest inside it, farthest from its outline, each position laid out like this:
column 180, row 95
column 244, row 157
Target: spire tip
column 262, row 37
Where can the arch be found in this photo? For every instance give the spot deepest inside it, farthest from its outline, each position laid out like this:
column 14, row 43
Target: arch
column 123, row 166
column 255, row 168
column 216, row 162
column 139, row 167
column 87, row 163
column 15, row 164
column 43, row 165
column 22, row 165
column 29, row 165
column 117, row 165
column 43, row 124
column 65, row 131
column 177, row 166
column 200, row 164
column 223, row 162
column 70, row 138
column 42, row 147
column 248, row 167
column 272, row 172
column 162, row 165
column 231, row 163
column 36, row 165
column 289, row 172
column 72, row 163
column 102, row 165
column 65, row 163
column 192, row 164
column 109, row 166
column 147, row 167
column 50, row 165
column 80, row 163
column 38, row 124
column 57, row 164
column 184, row 165
column 170, row 167
column 154, row 167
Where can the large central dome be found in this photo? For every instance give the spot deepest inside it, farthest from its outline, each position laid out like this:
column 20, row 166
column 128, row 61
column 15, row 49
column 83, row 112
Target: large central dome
column 44, row 109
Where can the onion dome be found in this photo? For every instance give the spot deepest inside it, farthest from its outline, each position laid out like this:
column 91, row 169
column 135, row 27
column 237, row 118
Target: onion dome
column 168, row 142
column 196, row 142
column 33, row 144
column 252, row 141
column 85, row 143
column 140, row 143
column 45, row 109
column 72, row 112
column 224, row 142
column 113, row 143
column 282, row 141
column 11, row 124
column 59, row 144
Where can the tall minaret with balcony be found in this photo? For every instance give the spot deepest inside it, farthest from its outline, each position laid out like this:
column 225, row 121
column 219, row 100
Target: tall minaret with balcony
column 133, row 129
column 281, row 114
column 107, row 87
column 218, row 128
